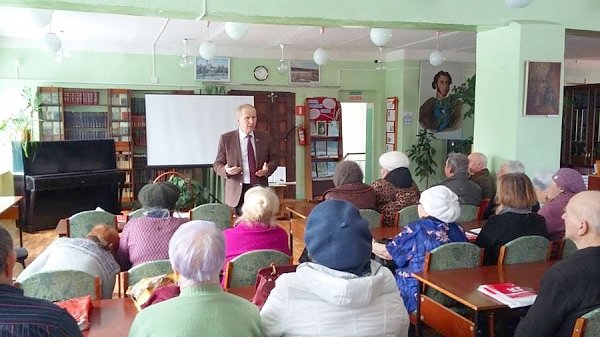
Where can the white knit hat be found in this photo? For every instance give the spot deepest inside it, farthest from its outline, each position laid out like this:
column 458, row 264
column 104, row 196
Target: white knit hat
column 393, row 159
column 441, row 203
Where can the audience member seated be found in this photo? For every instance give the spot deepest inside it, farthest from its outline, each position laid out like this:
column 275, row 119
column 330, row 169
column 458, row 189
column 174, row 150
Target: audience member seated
column 23, row 316
column 515, row 197
column 457, row 180
column 438, row 210
column 396, row 188
column 480, row 174
column 570, row 288
column 342, row 292
column 565, row 184
column 508, row 166
column 146, row 238
column 349, row 186
column 92, row 255
column 197, row 254
column 541, row 182
column 253, row 228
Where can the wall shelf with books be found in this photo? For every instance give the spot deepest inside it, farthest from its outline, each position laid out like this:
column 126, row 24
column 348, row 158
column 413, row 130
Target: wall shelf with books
column 323, row 122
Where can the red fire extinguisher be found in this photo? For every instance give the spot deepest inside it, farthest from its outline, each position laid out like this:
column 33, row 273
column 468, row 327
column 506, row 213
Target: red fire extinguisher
column 301, row 136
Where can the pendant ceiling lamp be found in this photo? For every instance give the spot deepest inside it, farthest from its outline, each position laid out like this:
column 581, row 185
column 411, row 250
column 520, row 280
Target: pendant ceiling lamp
column 51, row 41
column 236, row 30
column 437, row 58
column 320, row 56
column 282, row 67
column 208, row 49
column 380, row 36
column 518, row 3
column 380, row 62
column 186, row 62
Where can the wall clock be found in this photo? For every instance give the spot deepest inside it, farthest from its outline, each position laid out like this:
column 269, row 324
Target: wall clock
column 261, row 73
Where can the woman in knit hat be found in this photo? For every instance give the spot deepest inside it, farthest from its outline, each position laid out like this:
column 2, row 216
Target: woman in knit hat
column 146, row 238
column 438, row 211
column 342, row 292
column 565, row 184
column 349, row 186
column 396, row 188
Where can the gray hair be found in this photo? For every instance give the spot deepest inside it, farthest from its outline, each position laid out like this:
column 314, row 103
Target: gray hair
column 514, row 166
column 260, row 204
column 197, row 251
column 6, row 247
column 480, row 157
column 347, row 172
column 542, row 179
column 458, row 163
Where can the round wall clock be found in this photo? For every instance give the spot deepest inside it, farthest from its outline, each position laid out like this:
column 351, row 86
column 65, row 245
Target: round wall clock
column 261, row 73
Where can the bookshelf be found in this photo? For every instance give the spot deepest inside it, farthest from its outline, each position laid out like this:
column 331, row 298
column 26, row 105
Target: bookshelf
column 323, row 123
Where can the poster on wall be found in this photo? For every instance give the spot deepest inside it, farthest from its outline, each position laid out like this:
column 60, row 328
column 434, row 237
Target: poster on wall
column 542, row 88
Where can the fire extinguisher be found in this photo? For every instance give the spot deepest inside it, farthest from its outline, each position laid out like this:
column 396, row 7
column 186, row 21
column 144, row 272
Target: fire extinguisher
column 301, row 136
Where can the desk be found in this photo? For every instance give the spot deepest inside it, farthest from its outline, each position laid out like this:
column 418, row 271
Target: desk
column 111, row 317
column 9, row 210
column 461, row 284
column 299, row 211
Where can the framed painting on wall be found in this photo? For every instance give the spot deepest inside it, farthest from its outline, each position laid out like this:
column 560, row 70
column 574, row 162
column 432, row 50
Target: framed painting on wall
column 304, row 72
column 215, row 70
column 542, row 88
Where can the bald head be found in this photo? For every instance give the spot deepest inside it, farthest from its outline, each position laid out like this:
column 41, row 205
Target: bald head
column 477, row 162
column 582, row 219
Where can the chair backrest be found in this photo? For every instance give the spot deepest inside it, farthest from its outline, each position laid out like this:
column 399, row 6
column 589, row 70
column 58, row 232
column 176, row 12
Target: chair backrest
column 468, row 213
column 407, row 215
column 373, row 217
column 135, row 214
column 587, row 325
column 568, row 248
column 220, row 214
column 143, row 270
column 80, row 224
column 241, row 271
column 61, row 285
column 526, row 249
column 483, row 205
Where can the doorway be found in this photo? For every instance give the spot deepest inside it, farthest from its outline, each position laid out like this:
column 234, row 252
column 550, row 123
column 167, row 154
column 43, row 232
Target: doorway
column 354, row 132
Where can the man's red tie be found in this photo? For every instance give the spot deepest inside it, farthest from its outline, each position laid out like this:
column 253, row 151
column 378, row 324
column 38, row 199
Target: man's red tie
column 251, row 161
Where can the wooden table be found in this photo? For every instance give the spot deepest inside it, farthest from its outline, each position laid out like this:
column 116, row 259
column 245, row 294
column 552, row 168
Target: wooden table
column 299, row 211
column 461, row 284
column 244, row 292
column 9, row 210
column 111, row 317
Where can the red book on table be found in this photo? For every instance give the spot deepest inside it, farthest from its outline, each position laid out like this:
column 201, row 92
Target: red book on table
column 509, row 294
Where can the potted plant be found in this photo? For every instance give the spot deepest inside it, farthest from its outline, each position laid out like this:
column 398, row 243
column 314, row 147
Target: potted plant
column 19, row 125
column 465, row 93
column 422, row 154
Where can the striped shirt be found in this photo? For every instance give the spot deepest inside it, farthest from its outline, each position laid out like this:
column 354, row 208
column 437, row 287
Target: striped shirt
column 24, row 316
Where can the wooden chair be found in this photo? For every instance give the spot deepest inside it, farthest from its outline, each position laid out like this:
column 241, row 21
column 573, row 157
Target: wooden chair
column 241, row 270
column 526, row 249
column 146, row 269
column 61, row 285
column 220, row 214
column 135, row 214
column 80, row 224
column 407, row 215
column 588, row 325
column 483, row 205
column 373, row 217
column 468, row 213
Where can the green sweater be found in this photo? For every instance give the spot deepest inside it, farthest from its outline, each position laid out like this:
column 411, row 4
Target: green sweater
column 199, row 311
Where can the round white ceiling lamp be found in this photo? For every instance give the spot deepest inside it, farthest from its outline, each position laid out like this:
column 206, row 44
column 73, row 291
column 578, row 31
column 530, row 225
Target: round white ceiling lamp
column 437, row 58
column 236, row 30
column 282, row 67
column 320, row 56
column 208, row 49
column 380, row 36
column 186, row 62
column 52, row 42
column 517, row 3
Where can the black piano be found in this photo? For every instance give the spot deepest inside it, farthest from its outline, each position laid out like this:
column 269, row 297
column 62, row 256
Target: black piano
column 60, row 178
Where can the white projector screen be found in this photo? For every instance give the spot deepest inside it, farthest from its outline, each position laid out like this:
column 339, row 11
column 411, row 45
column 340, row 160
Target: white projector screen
column 184, row 130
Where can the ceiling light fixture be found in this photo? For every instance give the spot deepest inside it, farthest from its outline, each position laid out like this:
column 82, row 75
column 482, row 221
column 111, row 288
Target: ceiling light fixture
column 380, row 62
column 282, row 67
column 437, row 58
column 320, row 56
column 62, row 53
column 186, row 62
column 236, row 30
column 518, row 3
column 208, row 49
column 51, row 40
column 380, row 36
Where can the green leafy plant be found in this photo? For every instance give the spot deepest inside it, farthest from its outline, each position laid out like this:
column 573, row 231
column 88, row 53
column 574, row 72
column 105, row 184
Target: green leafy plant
column 465, row 93
column 191, row 192
column 422, row 154
column 19, row 125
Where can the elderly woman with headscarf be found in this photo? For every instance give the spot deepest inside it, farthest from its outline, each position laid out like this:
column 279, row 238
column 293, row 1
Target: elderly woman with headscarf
column 341, row 291
column 349, row 186
column 396, row 188
column 438, row 211
column 146, row 238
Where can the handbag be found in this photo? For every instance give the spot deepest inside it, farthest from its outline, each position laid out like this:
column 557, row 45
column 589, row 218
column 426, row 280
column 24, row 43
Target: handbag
column 265, row 281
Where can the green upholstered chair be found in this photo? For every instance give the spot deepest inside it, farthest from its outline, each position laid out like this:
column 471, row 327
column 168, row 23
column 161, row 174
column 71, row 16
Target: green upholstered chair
column 373, row 217
column 241, row 270
column 568, row 248
column 143, row 270
column 526, row 249
column 80, row 224
column 407, row 215
column 61, row 285
column 588, row 325
column 220, row 214
column 468, row 213
column 135, row 214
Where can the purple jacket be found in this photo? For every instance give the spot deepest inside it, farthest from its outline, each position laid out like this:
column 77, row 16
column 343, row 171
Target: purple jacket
column 552, row 212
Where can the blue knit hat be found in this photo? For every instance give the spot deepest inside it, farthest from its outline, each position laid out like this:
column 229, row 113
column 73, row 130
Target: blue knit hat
column 338, row 237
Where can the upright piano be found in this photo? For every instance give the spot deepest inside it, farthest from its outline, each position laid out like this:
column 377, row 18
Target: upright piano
column 60, row 178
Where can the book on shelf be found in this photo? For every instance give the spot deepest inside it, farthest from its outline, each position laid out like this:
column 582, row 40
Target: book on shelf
column 321, row 148
column 333, row 129
column 332, row 149
column 331, row 168
column 313, row 128
column 509, row 293
column 322, row 169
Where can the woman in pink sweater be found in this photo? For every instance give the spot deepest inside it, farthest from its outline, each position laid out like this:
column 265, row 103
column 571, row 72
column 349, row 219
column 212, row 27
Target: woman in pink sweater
column 253, row 229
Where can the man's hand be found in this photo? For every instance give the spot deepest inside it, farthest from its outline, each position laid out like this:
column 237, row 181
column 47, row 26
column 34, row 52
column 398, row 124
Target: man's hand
column 232, row 170
column 263, row 172
column 380, row 250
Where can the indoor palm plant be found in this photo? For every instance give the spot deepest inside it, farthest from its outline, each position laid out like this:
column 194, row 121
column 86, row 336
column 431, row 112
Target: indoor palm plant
column 19, row 125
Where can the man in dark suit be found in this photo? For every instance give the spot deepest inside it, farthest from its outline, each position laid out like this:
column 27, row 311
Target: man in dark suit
column 245, row 157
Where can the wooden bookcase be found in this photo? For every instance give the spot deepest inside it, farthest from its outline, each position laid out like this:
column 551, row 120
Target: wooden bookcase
column 323, row 125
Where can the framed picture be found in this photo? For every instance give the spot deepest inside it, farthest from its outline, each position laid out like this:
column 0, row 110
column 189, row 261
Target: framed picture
column 390, row 138
column 391, row 115
column 390, row 127
column 215, row 70
column 321, row 128
column 542, row 88
column 304, row 72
